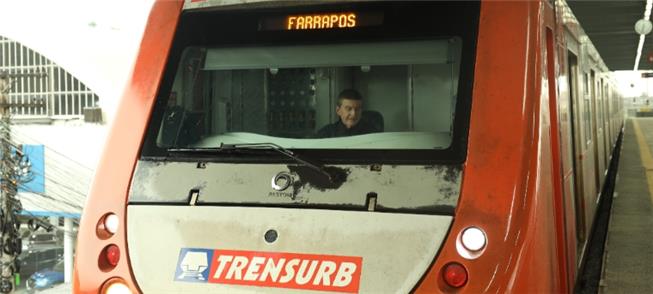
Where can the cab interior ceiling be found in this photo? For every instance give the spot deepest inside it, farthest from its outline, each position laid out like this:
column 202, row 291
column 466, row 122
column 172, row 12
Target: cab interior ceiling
column 610, row 26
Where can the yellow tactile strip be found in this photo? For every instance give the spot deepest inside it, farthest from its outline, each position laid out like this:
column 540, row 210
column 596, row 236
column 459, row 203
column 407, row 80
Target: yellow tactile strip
column 645, row 155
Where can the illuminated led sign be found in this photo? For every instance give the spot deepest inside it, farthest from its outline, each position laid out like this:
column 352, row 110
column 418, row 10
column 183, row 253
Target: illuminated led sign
column 321, row 21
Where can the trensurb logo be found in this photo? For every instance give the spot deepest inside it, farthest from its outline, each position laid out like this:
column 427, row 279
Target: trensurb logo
column 193, row 265
column 332, row 273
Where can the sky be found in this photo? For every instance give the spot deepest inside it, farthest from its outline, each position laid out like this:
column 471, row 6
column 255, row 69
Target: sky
column 95, row 40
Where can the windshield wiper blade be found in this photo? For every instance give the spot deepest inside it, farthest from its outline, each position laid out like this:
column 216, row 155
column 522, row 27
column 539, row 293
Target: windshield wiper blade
column 262, row 146
column 271, row 146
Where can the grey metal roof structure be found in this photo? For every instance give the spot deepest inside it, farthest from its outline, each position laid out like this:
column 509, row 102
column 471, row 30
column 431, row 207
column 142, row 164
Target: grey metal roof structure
column 43, row 92
column 610, row 24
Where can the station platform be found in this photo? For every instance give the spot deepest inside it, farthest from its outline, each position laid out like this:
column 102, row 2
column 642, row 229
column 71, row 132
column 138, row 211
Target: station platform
column 628, row 257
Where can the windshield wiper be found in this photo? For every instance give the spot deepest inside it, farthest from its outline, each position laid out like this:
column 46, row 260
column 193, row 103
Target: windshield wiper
column 262, row 146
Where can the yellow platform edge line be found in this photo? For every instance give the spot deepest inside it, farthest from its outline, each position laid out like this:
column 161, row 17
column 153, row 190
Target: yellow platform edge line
column 645, row 155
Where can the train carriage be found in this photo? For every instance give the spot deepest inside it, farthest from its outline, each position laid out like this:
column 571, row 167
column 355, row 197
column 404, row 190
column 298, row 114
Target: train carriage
column 488, row 128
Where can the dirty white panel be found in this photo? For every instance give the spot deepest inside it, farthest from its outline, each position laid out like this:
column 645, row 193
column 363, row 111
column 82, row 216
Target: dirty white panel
column 396, row 249
column 433, row 188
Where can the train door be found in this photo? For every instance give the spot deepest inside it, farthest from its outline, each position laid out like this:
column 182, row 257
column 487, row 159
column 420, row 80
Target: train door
column 608, row 128
column 607, row 95
column 586, row 155
column 576, row 151
column 597, row 97
column 566, row 158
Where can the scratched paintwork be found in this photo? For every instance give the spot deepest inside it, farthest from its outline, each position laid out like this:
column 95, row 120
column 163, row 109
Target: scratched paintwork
column 433, row 188
column 396, row 249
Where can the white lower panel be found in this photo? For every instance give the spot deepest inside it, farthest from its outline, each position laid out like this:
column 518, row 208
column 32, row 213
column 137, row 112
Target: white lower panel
column 394, row 250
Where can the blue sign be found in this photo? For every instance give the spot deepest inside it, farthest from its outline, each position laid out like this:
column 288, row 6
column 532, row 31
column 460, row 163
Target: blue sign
column 193, row 265
column 36, row 177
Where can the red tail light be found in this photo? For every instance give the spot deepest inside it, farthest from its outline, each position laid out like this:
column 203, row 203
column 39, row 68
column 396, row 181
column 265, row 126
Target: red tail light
column 454, row 274
column 112, row 254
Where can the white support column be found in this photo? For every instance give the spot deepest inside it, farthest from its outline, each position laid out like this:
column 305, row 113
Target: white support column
column 54, row 220
column 68, row 243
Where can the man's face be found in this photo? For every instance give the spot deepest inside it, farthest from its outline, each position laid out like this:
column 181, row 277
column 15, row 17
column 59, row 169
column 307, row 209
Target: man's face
column 349, row 112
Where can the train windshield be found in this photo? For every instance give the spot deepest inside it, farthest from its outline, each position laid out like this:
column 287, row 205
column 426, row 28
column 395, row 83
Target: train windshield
column 381, row 95
column 395, row 84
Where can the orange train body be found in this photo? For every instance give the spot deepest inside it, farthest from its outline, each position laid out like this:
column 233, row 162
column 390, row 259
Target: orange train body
column 543, row 119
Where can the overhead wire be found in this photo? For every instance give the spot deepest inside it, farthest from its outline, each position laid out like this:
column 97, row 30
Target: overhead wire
column 61, row 182
column 59, row 179
column 29, row 138
column 17, row 132
column 62, row 170
column 72, row 204
column 71, row 179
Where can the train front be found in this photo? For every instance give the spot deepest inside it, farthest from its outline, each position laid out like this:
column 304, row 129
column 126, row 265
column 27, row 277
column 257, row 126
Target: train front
column 301, row 147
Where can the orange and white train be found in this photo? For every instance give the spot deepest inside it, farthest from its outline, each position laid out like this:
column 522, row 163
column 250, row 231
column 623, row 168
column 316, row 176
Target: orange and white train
column 494, row 125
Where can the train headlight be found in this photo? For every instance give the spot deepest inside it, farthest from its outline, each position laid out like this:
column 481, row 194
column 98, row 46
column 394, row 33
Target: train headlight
column 107, row 226
column 111, row 223
column 115, row 286
column 473, row 239
column 471, row 242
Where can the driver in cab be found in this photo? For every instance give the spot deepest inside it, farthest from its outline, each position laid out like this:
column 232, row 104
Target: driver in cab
column 349, row 109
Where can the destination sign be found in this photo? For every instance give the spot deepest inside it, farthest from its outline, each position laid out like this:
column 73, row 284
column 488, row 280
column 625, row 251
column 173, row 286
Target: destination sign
column 320, row 21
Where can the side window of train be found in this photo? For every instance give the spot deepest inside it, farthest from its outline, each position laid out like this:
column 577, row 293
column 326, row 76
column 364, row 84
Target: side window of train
column 183, row 118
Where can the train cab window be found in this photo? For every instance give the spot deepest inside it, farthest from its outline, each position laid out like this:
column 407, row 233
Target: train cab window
column 286, row 94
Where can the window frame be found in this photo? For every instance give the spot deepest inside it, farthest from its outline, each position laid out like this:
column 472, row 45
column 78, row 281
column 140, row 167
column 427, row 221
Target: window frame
column 403, row 21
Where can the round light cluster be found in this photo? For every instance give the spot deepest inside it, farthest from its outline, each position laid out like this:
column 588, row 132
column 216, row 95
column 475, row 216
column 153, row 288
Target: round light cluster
column 112, row 254
column 471, row 242
column 455, row 275
column 473, row 239
column 111, row 223
column 115, row 286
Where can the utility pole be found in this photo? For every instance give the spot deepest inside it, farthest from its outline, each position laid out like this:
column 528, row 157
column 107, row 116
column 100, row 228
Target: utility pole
column 11, row 242
column 8, row 190
column 14, row 166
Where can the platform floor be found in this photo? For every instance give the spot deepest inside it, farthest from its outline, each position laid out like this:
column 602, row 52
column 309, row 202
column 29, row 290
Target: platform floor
column 628, row 266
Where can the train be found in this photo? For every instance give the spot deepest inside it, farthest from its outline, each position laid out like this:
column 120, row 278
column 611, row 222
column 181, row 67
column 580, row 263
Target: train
column 352, row 147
